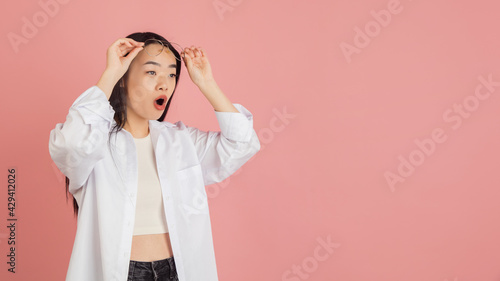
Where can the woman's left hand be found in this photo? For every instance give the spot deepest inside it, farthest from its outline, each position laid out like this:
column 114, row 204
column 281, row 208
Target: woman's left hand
column 196, row 62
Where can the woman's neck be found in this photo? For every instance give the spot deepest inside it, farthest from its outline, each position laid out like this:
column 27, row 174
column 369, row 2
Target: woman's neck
column 137, row 129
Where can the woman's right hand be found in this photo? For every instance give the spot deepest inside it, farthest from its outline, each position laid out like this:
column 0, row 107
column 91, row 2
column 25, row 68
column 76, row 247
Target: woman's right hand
column 116, row 62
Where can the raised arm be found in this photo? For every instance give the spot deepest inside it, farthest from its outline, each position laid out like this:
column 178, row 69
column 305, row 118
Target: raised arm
column 78, row 143
column 81, row 141
column 223, row 152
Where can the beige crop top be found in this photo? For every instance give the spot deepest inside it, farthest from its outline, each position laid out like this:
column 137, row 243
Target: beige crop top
column 149, row 213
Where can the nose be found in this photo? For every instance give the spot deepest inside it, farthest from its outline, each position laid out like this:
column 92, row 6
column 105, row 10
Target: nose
column 162, row 84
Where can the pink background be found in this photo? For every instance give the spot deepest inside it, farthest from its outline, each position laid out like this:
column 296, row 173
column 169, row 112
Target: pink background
column 320, row 174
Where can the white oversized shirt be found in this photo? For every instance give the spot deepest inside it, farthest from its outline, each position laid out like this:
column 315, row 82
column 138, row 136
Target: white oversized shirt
column 187, row 159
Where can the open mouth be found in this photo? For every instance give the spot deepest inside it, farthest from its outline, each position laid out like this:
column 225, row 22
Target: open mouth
column 160, row 102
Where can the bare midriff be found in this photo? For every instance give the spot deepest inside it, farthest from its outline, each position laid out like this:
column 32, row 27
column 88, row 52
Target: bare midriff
column 151, row 247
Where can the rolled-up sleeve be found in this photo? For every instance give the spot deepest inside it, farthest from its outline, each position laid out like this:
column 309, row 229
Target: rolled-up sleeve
column 221, row 153
column 79, row 143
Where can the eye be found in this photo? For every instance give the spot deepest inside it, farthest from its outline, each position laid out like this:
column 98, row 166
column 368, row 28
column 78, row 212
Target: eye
column 151, row 71
column 173, row 75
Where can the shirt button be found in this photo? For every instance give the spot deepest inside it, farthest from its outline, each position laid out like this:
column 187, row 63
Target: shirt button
column 167, row 197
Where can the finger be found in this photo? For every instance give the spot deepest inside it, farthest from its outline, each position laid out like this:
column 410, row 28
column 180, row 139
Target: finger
column 200, row 51
column 188, row 52
column 138, row 43
column 197, row 52
column 122, row 41
column 187, row 59
column 125, row 49
column 128, row 43
column 134, row 53
column 132, row 41
column 186, row 55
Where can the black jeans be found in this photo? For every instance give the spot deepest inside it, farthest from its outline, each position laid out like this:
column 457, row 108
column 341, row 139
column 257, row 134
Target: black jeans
column 159, row 270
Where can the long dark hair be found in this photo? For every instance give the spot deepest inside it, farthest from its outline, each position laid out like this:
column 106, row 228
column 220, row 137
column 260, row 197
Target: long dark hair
column 118, row 98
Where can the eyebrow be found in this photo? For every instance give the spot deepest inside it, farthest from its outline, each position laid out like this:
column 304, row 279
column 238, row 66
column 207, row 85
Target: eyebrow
column 155, row 63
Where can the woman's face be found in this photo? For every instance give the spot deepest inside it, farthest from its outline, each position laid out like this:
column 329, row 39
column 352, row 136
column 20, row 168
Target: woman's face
column 150, row 83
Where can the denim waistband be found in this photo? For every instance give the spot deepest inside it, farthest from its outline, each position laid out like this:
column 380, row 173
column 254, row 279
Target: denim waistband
column 169, row 261
column 156, row 267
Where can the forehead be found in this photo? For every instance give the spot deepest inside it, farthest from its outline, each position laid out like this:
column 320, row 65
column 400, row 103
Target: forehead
column 165, row 58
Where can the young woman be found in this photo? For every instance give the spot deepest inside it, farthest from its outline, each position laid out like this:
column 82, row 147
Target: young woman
column 138, row 182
